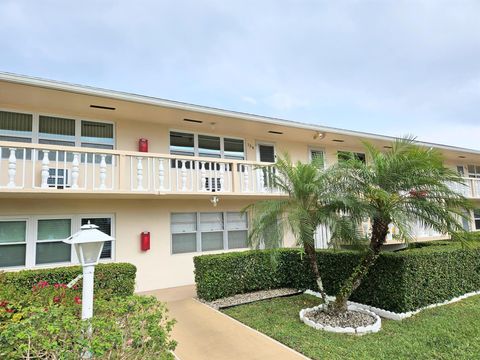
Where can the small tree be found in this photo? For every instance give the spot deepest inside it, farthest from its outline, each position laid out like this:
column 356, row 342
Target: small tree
column 406, row 184
column 311, row 201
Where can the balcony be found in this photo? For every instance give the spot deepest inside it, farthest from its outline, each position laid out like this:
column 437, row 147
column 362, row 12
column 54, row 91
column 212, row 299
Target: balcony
column 38, row 168
column 471, row 188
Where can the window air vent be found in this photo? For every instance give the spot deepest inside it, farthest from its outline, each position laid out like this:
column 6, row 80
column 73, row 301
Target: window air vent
column 338, row 140
column 275, row 132
column 102, row 107
column 193, row 121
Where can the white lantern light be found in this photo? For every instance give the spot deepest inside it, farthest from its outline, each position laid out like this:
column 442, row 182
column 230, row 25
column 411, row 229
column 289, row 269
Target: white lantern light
column 88, row 243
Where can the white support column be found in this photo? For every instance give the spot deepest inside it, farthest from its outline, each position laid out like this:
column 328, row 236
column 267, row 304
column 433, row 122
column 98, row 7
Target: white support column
column 183, row 174
column 45, row 169
column 161, row 174
column 262, row 180
column 103, row 172
column 75, row 170
column 139, row 173
column 12, row 168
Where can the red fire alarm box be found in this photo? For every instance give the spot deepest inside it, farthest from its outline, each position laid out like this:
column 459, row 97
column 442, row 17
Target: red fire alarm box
column 145, row 240
column 143, row 145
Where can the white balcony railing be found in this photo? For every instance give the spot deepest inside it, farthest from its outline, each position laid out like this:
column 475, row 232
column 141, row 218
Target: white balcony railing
column 39, row 167
column 471, row 188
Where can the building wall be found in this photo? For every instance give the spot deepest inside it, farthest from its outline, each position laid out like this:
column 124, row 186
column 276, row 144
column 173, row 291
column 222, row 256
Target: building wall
column 157, row 268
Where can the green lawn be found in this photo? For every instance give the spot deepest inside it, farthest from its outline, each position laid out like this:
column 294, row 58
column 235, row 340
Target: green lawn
column 448, row 332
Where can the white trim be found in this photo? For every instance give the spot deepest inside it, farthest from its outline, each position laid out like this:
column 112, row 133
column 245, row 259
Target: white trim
column 32, row 234
column 318, row 149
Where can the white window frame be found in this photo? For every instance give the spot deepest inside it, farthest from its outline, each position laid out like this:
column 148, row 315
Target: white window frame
column 222, row 142
column 474, row 228
column 198, row 232
column 78, row 125
column 317, row 149
column 32, row 234
column 257, row 148
column 351, row 151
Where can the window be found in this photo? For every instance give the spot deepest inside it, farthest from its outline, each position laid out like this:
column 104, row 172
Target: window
column 319, row 156
column 473, row 171
column 208, row 231
column 13, row 236
column 38, row 240
column 347, row 155
column 476, row 217
column 50, row 248
column 55, row 130
column 188, row 144
column 104, row 225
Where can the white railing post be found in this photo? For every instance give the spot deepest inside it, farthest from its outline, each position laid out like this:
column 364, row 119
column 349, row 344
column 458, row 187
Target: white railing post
column 222, row 177
column 139, row 173
column 12, row 168
column 246, row 177
column 103, row 171
column 262, row 180
column 203, row 177
column 75, row 170
column 161, row 174
column 45, row 169
column 183, row 174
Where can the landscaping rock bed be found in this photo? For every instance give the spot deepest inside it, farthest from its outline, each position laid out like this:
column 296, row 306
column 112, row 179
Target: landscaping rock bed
column 355, row 321
column 250, row 297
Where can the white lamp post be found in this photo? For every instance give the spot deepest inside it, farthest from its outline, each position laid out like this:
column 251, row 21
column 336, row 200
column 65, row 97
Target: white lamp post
column 88, row 243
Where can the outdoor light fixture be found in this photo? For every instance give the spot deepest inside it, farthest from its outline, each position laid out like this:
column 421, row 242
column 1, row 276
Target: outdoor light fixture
column 214, row 200
column 318, row 135
column 88, row 244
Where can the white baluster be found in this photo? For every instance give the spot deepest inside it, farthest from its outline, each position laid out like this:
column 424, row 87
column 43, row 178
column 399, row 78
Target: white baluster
column 12, row 168
column 75, row 170
column 103, row 171
column 183, row 174
column 161, row 174
column 245, row 177
column 45, row 169
column 139, row 173
column 262, row 180
column 222, row 177
column 203, row 177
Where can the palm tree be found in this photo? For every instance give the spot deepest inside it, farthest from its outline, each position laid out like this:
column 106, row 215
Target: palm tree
column 406, row 184
column 311, row 201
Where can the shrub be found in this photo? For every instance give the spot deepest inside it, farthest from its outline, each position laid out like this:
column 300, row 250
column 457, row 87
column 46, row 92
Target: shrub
column 401, row 281
column 122, row 328
column 114, row 279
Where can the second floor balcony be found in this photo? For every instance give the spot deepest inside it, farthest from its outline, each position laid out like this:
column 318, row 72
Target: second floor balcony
column 39, row 168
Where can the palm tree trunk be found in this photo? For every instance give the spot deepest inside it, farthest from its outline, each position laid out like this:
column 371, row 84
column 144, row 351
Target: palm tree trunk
column 379, row 233
column 312, row 257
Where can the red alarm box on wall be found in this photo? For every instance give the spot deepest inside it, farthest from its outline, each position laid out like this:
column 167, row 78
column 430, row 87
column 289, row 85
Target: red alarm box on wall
column 145, row 240
column 143, row 145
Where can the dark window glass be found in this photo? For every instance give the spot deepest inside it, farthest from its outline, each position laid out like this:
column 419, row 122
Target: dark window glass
column 208, row 146
column 233, row 149
column 182, row 144
column 267, row 153
column 348, row 155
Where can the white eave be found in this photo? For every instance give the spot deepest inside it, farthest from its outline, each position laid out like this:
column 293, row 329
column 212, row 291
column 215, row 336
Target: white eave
column 142, row 99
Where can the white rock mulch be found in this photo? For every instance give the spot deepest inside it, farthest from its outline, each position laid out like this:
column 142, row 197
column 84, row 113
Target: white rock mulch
column 398, row 316
column 250, row 297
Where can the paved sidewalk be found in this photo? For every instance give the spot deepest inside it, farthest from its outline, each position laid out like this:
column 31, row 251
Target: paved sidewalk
column 206, row 334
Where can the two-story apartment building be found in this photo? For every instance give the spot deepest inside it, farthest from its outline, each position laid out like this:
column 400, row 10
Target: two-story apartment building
column 70, row 154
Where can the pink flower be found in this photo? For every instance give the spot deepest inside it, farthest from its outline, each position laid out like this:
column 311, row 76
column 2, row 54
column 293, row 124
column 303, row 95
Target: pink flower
column 9, row 310
column 77, row 300
column 3, row 303
column 56, row 299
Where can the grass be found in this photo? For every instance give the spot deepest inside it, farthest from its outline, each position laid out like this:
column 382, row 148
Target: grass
column 447, row 332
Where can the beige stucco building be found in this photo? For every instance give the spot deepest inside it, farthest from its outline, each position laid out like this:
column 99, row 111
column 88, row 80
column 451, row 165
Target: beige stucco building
column 69, row 155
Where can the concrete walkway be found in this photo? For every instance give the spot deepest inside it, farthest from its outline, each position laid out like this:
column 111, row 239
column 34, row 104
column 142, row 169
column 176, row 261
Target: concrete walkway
column 206, row 334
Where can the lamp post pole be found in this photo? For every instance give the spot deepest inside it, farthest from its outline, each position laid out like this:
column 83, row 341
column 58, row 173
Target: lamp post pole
column 87, row 292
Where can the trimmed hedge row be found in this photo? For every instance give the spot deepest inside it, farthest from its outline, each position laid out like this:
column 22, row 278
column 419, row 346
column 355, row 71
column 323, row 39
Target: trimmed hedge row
column 115, row 279
column 400, row 281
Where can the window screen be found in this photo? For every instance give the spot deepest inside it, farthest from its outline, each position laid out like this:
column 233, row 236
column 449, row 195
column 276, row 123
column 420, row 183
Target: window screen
column 184, row 237
column 50, row 248
column 182, row 143
column 209, row 146
column 97, row 135
column 233, row 149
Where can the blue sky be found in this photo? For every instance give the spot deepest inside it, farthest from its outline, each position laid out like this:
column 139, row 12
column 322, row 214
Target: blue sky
column 389, row 67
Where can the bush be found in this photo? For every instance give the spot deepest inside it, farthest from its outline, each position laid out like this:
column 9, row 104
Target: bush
column 401, row 281
column 114, row 279
column 45, row 322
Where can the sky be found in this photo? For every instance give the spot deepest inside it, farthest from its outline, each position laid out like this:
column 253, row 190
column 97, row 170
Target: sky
column 388, row 67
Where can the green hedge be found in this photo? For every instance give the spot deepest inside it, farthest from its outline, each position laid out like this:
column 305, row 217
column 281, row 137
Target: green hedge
column 115, row 279
column 400, row 281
